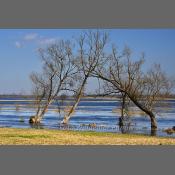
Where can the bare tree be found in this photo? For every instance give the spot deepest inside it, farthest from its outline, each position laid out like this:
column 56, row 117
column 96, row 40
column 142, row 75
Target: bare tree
column 58, row 74
column 68, row 69
column 91, row 46
column 126, row 76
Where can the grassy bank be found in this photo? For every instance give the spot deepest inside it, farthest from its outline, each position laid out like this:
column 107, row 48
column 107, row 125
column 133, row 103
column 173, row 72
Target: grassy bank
column 10, row 136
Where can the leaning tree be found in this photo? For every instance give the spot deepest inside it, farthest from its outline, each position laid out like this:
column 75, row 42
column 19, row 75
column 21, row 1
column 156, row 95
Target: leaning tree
column 68, row 68
column 58, row 74
column 143, row 88
column 90, row 53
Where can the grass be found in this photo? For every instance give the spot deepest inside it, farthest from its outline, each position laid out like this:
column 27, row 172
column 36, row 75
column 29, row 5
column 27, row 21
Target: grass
column 11, row 136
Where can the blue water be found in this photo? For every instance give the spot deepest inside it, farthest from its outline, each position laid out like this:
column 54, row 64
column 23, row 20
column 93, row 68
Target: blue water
column 15, row 112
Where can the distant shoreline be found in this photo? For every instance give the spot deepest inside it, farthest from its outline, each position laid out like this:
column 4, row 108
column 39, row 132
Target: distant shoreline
column 70, row 97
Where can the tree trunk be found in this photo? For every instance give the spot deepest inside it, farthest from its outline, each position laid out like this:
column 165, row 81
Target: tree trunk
column 153, row 125
column 38, row 117
column 68, row 116
column 121, row 118
column 147, row 111
column 153, row 122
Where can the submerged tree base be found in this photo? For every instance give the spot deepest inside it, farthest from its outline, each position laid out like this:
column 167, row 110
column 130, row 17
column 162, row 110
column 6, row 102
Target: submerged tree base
column 65, row 121
column 34, row 120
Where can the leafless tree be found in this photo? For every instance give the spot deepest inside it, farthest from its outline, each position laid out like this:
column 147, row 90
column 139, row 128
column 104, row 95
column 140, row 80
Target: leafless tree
column 127, row 76
column 91, row 46
column 58, row 75
column 68, row 69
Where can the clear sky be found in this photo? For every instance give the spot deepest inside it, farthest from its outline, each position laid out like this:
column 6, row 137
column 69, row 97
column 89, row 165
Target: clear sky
column 19, row 57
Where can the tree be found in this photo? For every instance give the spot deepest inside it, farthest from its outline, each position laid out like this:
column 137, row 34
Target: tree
column 127, row 76
column 58, row 75
column 68, row 68
column 91, row 47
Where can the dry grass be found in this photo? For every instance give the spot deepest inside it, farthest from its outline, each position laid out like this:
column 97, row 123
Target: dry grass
column 10, row 136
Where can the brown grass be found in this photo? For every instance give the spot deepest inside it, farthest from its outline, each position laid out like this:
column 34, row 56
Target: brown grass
column 9, row 136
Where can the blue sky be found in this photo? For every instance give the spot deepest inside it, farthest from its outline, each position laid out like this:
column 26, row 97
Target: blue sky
column 19, row 57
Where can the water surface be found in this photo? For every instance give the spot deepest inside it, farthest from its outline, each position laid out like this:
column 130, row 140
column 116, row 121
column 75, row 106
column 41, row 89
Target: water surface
column 15, row 112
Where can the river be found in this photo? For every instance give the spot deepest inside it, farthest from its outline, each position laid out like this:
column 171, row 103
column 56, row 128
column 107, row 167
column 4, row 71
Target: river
column 15, row 112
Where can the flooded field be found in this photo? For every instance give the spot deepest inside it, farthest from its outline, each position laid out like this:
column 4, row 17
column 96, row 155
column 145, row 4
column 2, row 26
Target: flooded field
column 15, row 113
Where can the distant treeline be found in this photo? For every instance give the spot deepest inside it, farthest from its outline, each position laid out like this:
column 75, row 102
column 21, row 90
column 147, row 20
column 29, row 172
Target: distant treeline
column 69, row 96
